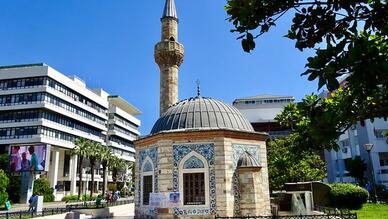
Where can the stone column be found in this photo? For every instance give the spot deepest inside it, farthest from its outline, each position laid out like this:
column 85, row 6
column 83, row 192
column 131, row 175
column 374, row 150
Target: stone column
column 250, row 192
column 73, row 174
column 54, row 169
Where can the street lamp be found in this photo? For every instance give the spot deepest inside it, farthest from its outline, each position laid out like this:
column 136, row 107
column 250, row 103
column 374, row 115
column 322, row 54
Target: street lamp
column 368, row 147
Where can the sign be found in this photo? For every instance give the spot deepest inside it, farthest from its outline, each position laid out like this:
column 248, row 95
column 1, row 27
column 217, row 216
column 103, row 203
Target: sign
column 174, row 199
column 157, row 200
column 165, row 200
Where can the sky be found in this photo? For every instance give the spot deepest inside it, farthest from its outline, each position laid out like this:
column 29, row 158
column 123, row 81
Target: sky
column 110, row 44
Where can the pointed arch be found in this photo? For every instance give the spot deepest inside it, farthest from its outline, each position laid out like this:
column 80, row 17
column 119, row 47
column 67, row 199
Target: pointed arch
column 197, row 169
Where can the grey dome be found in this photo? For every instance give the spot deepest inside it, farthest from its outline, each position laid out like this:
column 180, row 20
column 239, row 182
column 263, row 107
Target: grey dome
column 201, row 113
column 247, row 160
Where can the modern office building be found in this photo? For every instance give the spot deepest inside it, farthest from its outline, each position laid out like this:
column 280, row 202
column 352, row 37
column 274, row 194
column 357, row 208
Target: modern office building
column 261, row 111
column 41, row 106
column 351, row 144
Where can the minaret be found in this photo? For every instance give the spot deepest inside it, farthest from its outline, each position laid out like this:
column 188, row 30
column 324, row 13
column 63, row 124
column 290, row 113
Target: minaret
column 169, row 56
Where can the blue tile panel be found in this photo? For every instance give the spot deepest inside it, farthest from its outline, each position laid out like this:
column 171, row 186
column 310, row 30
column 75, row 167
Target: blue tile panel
column 207, row 151
column 238, row 149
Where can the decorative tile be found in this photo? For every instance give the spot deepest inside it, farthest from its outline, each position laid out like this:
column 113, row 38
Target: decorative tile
column 207, row 151
column 147, row 167
column 238, row 149
column 192, row 163
column 152, row 153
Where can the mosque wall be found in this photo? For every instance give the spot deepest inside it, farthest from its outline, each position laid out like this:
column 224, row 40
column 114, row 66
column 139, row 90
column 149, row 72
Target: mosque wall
column 219, row 156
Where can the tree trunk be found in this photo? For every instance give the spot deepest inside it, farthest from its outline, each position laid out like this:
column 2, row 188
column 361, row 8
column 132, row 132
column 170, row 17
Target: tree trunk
column 92, row 162
column 80, row 176
column 104, row 178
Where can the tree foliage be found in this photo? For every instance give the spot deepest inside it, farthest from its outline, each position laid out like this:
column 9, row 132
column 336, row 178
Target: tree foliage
column 4, row 181
column 288, row 163
column 351, row 41
column 357, row 168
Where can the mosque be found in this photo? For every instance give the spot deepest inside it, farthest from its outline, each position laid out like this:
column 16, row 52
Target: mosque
column 202, row 157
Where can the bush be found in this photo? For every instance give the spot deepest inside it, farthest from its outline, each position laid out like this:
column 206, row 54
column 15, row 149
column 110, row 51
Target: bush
column 4, row 181
column 42, row 187
column 346, row 195
column 382, row 193
column 70, row 198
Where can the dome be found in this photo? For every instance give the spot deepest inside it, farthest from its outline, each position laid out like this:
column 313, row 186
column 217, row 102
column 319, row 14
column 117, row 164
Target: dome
column 247, row 160
column 201, row 113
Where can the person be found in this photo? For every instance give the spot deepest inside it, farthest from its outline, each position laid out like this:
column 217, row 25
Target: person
column 33, row 201
column 25, row 164
column 34, row 159
column 15, row 159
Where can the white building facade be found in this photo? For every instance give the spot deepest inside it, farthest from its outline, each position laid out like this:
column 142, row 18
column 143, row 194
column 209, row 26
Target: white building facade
column 261, row 111
column 351, row 145
column 39, row 105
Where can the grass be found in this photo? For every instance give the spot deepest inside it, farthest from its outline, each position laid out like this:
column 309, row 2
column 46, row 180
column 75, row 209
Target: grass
column 373, row 211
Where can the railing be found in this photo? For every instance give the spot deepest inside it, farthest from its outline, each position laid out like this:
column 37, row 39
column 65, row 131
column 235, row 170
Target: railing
column 61, row 210
column 323, row 216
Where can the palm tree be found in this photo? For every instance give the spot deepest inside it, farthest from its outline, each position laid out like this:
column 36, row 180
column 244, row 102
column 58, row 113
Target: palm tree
column 105, row 157
column 81, row 149
column 94, row 155
column 117, row 165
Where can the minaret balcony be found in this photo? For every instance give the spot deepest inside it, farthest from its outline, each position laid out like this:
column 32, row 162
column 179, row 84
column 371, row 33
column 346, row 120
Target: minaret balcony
column 169, row 53
column 169, row 46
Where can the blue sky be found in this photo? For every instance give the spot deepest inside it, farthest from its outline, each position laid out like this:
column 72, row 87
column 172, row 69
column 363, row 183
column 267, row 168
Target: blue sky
column 109, row 44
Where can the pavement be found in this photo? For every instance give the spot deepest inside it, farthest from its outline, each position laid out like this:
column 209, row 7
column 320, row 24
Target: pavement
column 24, row 207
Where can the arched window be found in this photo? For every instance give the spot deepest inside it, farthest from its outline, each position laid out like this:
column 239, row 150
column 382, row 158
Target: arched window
column 194, row 180
column 172, row 39
column 147, row 181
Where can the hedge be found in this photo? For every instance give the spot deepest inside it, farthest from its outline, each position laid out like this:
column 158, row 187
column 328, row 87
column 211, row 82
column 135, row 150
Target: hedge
column 346, row 195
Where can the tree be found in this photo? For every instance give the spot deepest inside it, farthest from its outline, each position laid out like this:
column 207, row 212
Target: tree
column 4, row 181
column 288, row 163
column 117, row 166
column 351, row 41
column 105, row 157
column 81, row 149
column 357, row 168
column 94, row 154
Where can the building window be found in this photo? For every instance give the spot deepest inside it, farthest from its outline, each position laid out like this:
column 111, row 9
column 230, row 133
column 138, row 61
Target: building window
column 147, row 177
column 194, row 180
column 194, row 188
column 147, row 189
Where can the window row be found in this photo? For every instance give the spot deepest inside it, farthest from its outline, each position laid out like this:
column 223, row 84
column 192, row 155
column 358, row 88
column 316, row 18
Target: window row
column 29, row 131
column 126, row 122
column 122, row 152
column 34, row 115
column 121, row 130
column 22, row 83
column 33, row 98
column 121, row 141
column 251, row 102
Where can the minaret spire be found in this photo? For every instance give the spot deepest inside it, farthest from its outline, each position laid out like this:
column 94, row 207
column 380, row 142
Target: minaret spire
column 169, row 55
column 170, row 10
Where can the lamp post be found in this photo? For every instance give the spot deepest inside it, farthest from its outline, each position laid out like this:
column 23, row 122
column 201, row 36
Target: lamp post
column 368, row 147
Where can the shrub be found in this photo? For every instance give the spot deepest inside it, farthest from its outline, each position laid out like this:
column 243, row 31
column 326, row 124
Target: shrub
column 70, row 198
column 382, row 193
column 42, row 187
column 346, row 195
column 4, row 181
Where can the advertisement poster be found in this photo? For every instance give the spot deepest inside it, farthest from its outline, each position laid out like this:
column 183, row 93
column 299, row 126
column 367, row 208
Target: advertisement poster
column 28, row 158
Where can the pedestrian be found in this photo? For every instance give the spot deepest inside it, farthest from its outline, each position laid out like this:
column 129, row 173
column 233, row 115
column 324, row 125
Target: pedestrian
column 33, row 201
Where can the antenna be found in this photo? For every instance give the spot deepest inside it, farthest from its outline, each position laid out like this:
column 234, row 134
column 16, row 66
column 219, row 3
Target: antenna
column 198, row 88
